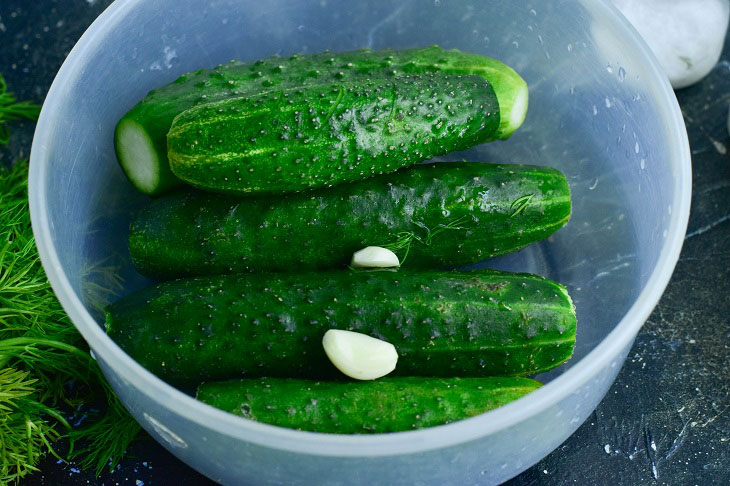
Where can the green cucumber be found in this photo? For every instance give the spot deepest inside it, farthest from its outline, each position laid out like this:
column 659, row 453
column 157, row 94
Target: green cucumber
column 321, row 135
column 140, row 136
column 380, row 406
column 478, row 323
column 431, row 215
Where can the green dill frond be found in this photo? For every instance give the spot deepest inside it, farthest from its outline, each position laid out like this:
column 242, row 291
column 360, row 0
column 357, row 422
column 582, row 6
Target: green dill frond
column 451, row 225
column 105, row 441
column 14, row 385
column 11, row 110
column 520, row 204
column 403, row 240
column 27, row 429
column 101, row 283
column 46, row 365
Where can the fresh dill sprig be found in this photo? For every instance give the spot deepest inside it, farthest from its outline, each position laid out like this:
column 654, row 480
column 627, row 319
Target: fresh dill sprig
column 26, row 433
column 104, row 440
column 38, row 339
column 46, row 370
column 520, row 204
column 101, row 283
column 404, row 239
column 11, row 110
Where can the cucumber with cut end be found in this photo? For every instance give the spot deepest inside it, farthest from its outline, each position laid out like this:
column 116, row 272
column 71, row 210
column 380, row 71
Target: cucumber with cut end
column 143, row 158
column 431, row 215
column 478, row 323
column 380, row 406
column 140, row 136
column 321, row 135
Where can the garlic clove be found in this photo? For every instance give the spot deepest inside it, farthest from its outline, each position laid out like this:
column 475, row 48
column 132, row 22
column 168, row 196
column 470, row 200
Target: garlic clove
column 375, row 257
column 358, row 355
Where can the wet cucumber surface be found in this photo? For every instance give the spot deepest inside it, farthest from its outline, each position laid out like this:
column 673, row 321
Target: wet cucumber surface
column 321, row 135
column 152, row 117
column 433, row 215
column 478, row 323
column 380, row 406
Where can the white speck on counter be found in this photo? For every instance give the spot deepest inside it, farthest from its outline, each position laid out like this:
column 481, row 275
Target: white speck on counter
column 719, row 147
column 607, row 448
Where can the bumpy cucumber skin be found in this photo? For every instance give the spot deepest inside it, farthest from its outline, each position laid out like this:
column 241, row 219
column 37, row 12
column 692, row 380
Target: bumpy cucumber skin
column 196, row 233
column 380, row 406
column 322, row 135
column 157, row 110
column 479, row 323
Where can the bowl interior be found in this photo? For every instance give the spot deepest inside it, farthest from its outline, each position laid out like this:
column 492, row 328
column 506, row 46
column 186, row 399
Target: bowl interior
column 597, row 113
column 587, row 117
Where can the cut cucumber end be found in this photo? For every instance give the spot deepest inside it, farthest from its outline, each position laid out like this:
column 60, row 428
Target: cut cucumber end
column 141, row 161
column 513, row 112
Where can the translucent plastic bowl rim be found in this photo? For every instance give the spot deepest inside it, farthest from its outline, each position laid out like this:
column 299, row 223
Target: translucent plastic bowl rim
column 185, row 406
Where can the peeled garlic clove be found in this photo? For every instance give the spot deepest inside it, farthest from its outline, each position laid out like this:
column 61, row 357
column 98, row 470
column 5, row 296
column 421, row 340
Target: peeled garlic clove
column 374, row 257
column 358, row 355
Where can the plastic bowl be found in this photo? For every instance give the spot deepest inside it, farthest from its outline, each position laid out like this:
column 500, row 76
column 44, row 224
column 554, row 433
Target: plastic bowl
column 600, row 110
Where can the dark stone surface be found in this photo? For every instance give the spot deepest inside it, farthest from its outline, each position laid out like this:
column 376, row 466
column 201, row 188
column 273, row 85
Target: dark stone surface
column 666, row 420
